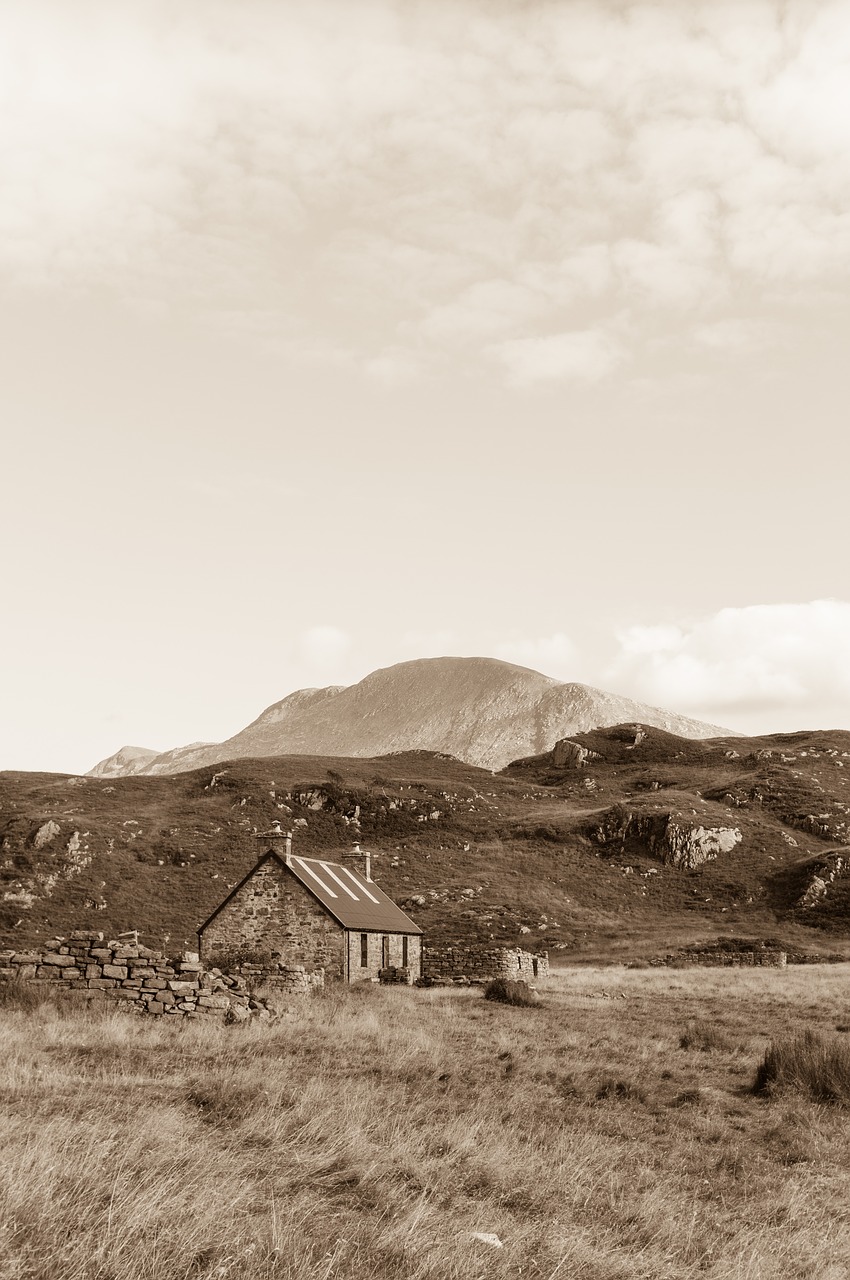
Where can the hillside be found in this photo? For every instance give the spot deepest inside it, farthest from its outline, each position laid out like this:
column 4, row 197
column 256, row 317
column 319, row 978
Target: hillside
column 480, row 710
column 626, row 842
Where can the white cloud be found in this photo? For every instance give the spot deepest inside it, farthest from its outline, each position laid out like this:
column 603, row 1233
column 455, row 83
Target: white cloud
column 366, row 178
column 785, row 664
column 738, row 334
column 581, row 357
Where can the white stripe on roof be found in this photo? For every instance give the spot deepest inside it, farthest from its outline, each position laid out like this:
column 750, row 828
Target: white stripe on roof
column 326, row 866
column 358, row 884
column 326, row 887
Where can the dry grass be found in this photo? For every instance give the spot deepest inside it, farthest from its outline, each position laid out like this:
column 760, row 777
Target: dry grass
column 810, row 1063
column 508, row 991
column 371, row 1133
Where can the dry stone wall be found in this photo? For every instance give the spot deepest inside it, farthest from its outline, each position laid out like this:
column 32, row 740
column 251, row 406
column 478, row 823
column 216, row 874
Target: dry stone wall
column 765, row 958
column 150, row 982
column 473, row 964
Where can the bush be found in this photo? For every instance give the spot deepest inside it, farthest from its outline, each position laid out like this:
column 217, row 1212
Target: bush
column 810, row 1063
column 507, row 991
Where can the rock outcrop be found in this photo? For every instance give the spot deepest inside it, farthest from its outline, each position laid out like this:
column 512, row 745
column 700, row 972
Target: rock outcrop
column 667, row 836
column 571, row 755
column 821, row 874
column 46, row 834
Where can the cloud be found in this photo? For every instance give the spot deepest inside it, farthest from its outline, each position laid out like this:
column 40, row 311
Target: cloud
column 583, row 357
column 741, row 334
column 456, row 180
column 777, row 664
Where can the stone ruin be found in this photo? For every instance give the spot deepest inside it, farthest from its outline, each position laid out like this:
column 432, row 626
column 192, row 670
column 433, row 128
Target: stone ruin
column 152, row 983
column 764, row 957
column 466, row 964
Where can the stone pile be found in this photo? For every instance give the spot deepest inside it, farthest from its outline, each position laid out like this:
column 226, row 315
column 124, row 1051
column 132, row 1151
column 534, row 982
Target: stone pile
column 149, row 981
column 470, row 964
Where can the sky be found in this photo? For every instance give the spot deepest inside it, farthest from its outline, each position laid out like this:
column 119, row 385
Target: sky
column 340, row 334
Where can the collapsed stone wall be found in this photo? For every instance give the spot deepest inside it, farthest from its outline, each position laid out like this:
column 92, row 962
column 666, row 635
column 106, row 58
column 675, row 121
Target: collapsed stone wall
column 150, row 982
column 765, row 958
column 473, row 964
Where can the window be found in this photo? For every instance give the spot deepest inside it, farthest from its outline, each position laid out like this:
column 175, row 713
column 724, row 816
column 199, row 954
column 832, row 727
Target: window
column 404, row 951
column 385, row 951
column 534, row 966
column 364, row 950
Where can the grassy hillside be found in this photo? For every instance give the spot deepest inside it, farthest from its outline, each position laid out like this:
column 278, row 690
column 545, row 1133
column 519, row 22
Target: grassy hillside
column 573, row 859
column 611, row 1134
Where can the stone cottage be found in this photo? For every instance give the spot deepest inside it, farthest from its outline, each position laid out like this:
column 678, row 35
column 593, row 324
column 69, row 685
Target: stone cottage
column 315, row 913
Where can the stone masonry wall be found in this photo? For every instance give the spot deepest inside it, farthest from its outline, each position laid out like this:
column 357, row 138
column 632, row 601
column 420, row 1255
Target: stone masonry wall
column 726, row 959
column 147, row 981
column 470, row 964
column 273, row 912
column 375, row 955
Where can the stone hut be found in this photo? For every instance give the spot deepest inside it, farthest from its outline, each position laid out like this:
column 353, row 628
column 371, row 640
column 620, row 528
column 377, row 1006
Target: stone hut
column 313, row 912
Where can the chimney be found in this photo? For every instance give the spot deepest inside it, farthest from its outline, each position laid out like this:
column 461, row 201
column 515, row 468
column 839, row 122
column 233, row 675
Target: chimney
column 363, row 855
column 271, row 838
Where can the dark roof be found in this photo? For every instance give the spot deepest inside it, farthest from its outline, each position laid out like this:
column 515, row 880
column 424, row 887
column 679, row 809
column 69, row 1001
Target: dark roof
column 355, row 902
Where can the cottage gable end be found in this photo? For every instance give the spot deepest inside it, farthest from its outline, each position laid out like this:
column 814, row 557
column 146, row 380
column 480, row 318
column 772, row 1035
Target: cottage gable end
column 271, row 912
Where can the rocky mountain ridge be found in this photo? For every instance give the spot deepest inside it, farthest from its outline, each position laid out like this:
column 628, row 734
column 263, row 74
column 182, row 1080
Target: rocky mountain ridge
column 480, row 710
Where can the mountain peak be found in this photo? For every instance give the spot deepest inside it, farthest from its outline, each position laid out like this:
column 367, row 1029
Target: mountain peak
column 481, row 710
column 125, row 760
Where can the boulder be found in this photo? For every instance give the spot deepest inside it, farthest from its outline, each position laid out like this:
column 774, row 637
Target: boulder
column 47, row 831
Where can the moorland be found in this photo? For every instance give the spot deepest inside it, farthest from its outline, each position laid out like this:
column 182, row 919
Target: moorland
column 612, row 1133
column 652, row 842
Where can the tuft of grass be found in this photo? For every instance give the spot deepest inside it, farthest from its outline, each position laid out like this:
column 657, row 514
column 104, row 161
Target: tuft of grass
column 687, row 1097
column 29, row 997
column 506, row 991
column 810, row 1063
column 619, row 1088
column 703, row 1035
column 222, row 1098
column 21, row 997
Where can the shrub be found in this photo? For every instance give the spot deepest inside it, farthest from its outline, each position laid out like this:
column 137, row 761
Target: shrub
column 506, row 991
column 810, row 1063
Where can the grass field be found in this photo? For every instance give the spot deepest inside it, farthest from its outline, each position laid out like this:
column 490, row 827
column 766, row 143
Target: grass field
column 610, row 1134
